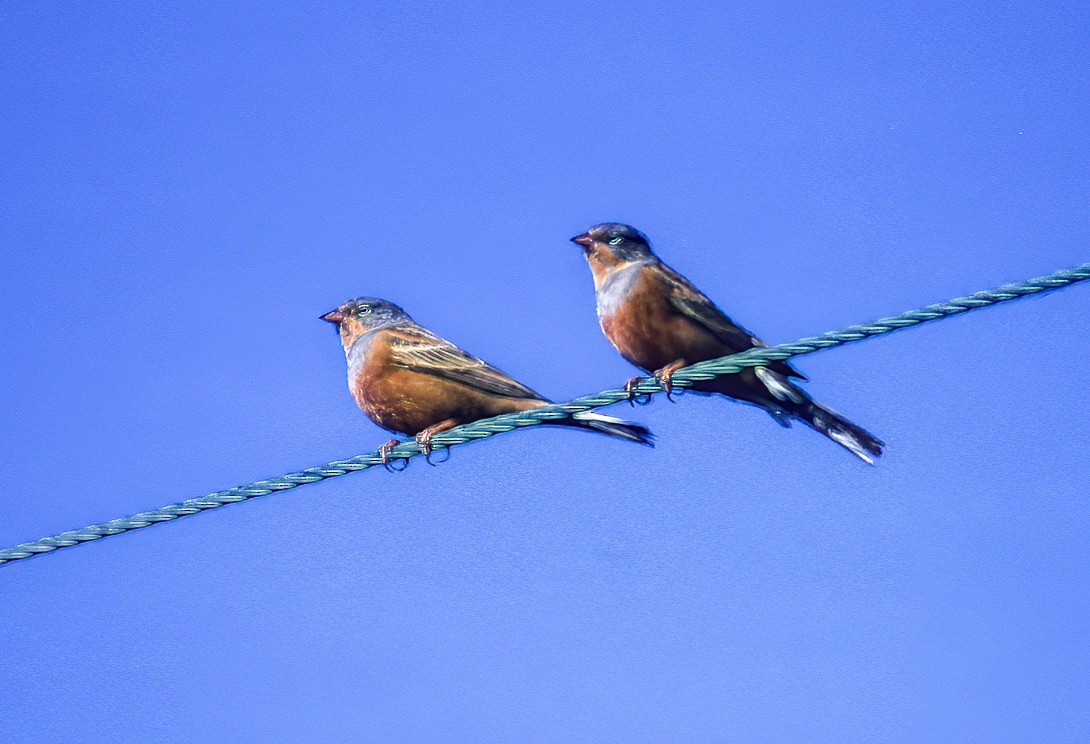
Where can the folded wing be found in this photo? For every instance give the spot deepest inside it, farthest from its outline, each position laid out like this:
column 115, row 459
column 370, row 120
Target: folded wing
column 691, row 302
column 420, row 350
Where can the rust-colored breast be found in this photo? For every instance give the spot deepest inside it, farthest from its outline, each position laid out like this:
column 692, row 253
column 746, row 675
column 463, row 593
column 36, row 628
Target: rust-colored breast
column 649, row 331
column 409, row 401
column 637, row 326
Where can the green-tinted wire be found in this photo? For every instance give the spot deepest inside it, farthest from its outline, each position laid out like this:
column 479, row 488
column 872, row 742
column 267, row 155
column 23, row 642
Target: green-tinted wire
column 498, row 424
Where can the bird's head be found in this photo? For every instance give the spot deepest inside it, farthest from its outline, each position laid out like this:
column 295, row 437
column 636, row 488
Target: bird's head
column 614, row 242
column 612, row 245
column 356, row 317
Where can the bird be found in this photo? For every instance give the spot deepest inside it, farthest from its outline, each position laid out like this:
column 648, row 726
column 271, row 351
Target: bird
column 410, row 381
column 659, row 321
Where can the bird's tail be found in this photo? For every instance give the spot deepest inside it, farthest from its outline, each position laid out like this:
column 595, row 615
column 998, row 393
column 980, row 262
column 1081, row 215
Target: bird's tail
column 851, row 437
column 613, row 426
column 784, row 397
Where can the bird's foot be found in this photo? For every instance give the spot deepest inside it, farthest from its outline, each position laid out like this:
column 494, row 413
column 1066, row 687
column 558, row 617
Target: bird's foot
column 633, row 398
column 665, row 376
column 387, row 461
column 424, row 439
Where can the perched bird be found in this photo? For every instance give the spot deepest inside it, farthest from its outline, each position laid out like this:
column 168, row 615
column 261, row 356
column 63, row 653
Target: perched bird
column 660, row 322
column 408, row 380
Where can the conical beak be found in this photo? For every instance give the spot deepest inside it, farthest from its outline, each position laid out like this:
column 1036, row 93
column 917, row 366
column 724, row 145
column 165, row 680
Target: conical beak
column 333, row 316
column 584, row 240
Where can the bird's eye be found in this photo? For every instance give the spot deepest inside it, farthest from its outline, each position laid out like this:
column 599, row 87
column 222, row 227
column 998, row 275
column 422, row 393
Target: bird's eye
column 365, row 309
column 616, row 241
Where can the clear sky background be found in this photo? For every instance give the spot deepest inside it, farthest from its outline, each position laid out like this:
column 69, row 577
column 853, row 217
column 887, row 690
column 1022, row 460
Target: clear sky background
column 188, row 186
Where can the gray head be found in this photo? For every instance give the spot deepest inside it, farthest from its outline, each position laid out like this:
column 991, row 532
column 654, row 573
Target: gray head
column 616, row 241
column 364, row 314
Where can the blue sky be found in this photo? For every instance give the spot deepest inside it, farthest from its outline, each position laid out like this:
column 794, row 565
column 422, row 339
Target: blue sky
column 187, row 187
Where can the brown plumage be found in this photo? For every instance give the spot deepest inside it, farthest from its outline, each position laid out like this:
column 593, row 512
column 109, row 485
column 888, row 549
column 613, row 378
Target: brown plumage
column 408, row 380
column 659, row 321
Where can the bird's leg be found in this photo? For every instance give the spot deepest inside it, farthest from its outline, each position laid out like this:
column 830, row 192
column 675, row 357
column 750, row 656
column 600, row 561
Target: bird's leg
column 666, row 374
column 387, row 462
column 424, row 437
column 630, row 388
column 384, row 450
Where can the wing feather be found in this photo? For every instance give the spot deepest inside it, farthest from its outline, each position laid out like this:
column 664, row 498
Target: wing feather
column 693, row 303
column 420, row 350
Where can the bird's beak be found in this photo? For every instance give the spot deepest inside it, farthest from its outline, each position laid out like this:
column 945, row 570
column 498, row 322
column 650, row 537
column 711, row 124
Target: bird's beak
column 584, row 240
column 333, row 316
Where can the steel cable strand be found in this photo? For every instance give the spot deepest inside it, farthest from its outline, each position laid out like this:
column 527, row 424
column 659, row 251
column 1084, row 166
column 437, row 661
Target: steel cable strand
column 499, row 424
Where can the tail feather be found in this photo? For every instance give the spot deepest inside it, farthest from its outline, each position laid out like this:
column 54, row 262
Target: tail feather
column 851, row 437
column 780, row 397
column 613, row 426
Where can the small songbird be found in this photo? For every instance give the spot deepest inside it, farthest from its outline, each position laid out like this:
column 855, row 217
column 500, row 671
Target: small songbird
column 660, row 322
column 408, row 380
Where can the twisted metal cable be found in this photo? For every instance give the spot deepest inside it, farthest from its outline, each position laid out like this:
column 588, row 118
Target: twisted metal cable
column 498, row 424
